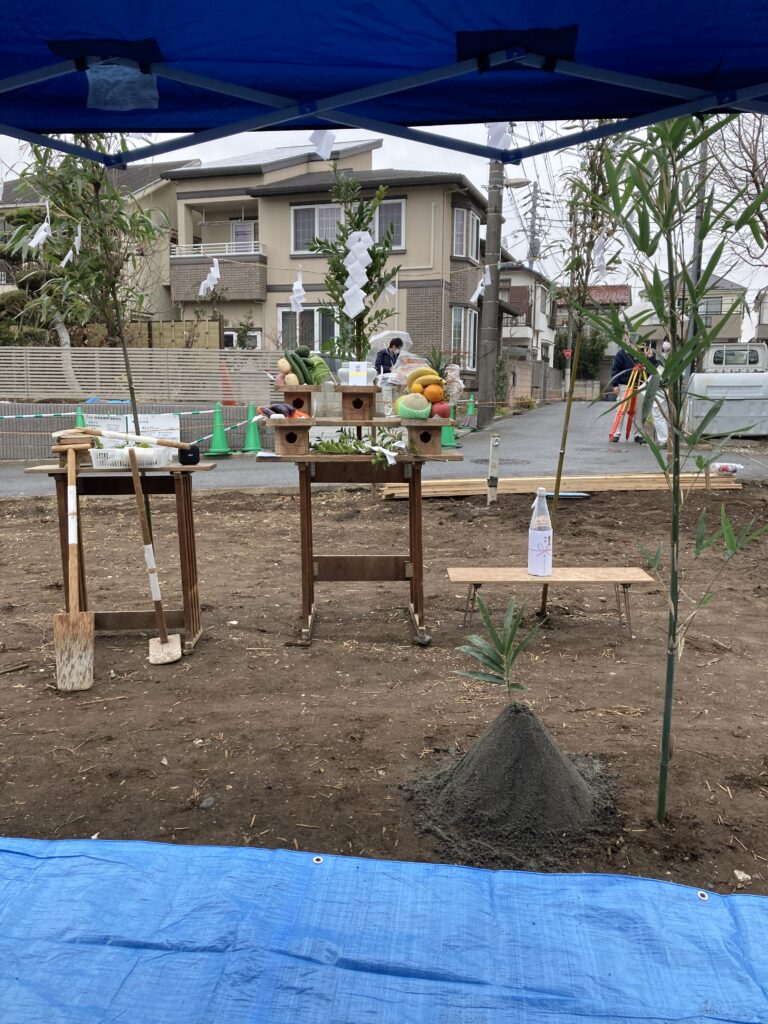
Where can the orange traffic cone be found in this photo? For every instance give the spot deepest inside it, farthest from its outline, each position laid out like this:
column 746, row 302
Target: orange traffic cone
column 227, row 387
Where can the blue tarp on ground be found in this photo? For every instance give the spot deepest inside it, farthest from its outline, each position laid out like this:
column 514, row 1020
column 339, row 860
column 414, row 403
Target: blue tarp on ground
column 143, row 933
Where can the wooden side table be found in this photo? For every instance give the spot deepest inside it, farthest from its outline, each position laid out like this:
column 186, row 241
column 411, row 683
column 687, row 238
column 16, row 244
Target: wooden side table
column 316, row 468
column 175, row 480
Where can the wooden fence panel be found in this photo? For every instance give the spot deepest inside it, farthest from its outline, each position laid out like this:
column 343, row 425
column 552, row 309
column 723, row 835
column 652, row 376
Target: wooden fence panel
column 159, row 374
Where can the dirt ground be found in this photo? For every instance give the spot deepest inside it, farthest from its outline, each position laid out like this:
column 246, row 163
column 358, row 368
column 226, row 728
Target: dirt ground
column 250, row 741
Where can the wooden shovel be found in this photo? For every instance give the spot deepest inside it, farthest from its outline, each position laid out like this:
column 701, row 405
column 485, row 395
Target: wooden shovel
column 163, row 649
column 73, row 630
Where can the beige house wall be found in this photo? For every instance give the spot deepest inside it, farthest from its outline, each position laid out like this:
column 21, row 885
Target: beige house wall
column 154, row 277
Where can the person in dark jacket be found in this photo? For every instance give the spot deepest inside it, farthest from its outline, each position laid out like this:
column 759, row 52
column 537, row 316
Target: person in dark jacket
column 621, row 370
column 387, row 358
column 385, row 363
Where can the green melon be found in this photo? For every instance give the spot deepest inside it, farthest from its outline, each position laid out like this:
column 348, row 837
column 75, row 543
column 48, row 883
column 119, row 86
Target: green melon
column 414, row 406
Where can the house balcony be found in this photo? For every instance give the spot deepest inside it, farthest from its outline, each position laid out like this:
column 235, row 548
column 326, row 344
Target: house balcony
column 243, row 273
column 219, row 249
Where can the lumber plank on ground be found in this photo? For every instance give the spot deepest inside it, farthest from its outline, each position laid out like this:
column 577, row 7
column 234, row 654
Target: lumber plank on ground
column 527, row 484
column 560, row 574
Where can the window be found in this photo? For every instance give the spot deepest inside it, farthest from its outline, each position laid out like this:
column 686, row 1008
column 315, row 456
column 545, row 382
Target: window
column 310, row 222
column 230, row 339
column 736, row 357
column 710, row 306
column 464, row 335
column 315, row 326
column 473, row 239
column 390, row 213
column 253, row 341
column 244, row 234
column 543, row 300
column 466, row 234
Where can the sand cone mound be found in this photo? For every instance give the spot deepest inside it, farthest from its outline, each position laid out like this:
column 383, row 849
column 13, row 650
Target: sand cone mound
column 515, row 794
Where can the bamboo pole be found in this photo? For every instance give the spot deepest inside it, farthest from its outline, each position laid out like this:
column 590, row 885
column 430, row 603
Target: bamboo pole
column 564, row 437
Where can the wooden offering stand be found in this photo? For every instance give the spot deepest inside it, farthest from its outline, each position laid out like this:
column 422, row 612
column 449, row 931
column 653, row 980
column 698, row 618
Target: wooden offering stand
column 292, row 445
column 300, row 396
column 169, row 480
column 358, row 402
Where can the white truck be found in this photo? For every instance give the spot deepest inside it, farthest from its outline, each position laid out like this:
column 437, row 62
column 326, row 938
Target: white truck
column 737, row 374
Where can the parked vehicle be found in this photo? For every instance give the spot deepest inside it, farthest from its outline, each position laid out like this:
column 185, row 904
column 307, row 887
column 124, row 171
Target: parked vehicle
column 736, row 357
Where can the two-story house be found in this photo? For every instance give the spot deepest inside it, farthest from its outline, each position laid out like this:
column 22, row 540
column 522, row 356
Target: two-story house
column 258, row 215
column 602, row 299
column 723, row 304
column 528, row 320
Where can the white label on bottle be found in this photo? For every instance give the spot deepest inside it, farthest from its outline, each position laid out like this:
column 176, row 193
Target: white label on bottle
column 539, row 552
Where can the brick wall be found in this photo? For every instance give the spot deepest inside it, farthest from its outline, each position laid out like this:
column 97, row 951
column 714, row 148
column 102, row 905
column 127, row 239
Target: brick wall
column 427, row 319
column 245, row 280
column 464, row 278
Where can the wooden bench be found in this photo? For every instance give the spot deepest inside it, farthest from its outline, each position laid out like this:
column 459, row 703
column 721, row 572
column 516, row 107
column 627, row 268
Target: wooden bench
column 622, row 579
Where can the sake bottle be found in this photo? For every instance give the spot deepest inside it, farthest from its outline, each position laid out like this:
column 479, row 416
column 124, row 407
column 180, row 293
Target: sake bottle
column 540, row 537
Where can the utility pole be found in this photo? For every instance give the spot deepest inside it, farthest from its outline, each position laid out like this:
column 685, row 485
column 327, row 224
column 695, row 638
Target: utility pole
column 487, row 354
column 533, row 238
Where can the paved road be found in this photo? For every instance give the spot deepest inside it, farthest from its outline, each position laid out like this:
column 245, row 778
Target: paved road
column 529, row 447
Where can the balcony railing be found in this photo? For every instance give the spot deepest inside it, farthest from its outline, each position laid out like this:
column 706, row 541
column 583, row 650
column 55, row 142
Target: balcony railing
column 220, row 249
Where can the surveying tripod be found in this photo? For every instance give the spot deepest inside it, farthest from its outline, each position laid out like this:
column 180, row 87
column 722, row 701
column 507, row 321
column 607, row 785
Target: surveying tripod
column 628, row 404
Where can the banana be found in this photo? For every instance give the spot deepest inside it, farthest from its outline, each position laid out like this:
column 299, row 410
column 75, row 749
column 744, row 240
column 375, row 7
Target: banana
column 429, row 378
column 415, row 374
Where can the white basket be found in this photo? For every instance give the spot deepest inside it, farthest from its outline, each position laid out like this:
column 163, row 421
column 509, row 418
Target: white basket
column 117, row 458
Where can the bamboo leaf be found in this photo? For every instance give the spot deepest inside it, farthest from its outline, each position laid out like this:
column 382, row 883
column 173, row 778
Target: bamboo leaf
column 728, row 534
column 483, row 677
column 653, row 561
column 488, row 623
column 701, row 533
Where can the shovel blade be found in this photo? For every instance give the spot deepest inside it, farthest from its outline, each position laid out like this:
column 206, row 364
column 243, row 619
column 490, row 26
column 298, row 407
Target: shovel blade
column 73, row 643
column 164, row 654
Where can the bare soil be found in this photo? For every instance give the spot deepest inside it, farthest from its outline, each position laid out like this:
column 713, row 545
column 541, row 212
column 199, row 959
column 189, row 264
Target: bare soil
column 253, row 741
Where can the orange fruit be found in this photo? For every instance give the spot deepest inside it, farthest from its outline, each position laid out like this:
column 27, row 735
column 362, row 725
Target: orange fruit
column 434, row 393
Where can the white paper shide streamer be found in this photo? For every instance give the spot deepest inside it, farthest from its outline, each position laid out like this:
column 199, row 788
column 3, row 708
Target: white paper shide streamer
column 77, row 241
column 43, row 232
column 498, row 134
column 298, row 294
column 599, row 255
column 323, row 141
column 210, row 282
column 356, row 261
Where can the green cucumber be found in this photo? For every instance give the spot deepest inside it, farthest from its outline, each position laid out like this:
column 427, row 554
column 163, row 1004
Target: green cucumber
column 297, row 366
column 307, row 367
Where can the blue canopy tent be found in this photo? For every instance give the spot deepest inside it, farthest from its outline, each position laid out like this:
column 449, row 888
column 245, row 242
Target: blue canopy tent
column 216, row 69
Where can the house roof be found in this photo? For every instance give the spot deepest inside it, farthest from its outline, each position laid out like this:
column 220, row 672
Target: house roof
column 719, row 284
column 321, row 181
column 722, row 284
column 134, row 178
column 270, row 160
column 607, row 295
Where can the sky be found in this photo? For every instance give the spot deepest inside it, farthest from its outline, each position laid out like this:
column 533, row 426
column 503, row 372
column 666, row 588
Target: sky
column 548, row 171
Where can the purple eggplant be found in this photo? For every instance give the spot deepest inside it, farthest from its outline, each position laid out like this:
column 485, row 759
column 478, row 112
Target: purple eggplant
column 283, row 408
